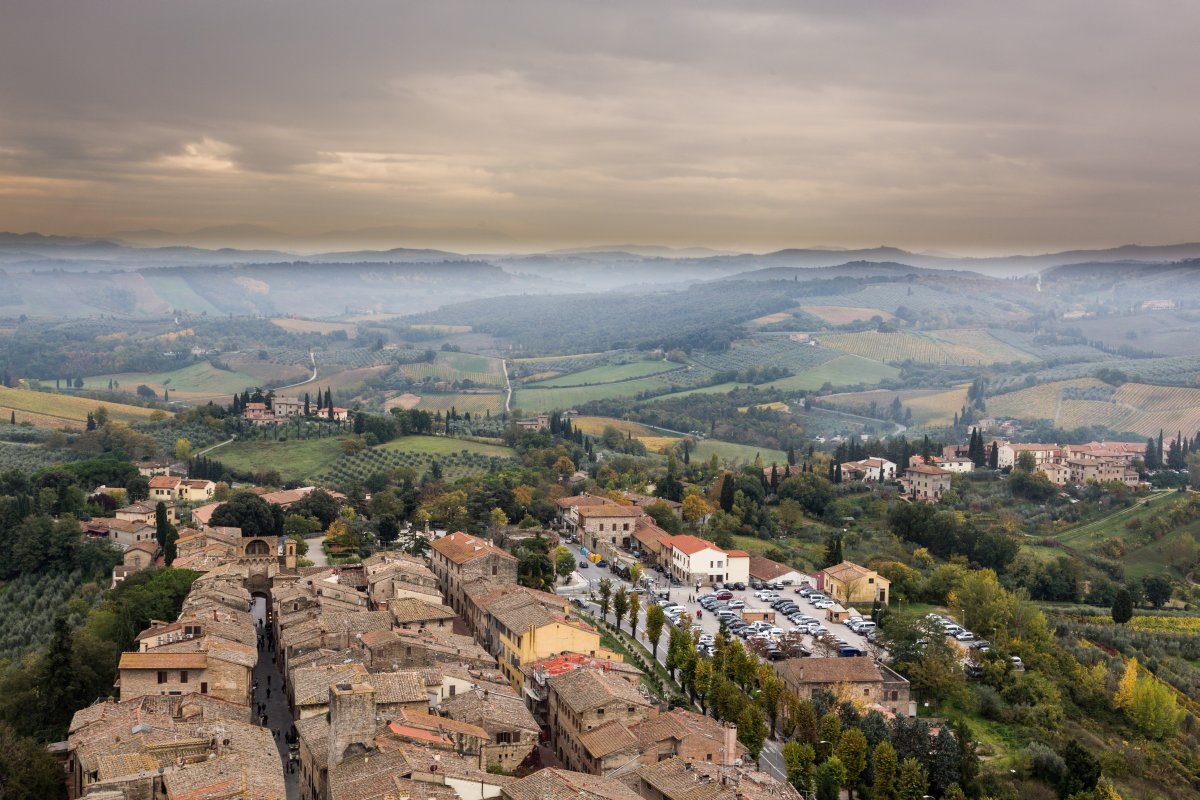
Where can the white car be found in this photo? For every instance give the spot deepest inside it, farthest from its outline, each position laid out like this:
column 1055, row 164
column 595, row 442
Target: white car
column 706, row 638
column 823, row 604
column 964, row 636
column 773, row 631
column 736, row 604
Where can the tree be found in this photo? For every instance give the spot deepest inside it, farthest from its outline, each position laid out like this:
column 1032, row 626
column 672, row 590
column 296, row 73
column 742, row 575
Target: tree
column 249, row 512
column 695, row 509
column 1122, row 607
column 752, row 728
column 564, row 467
column 913, row 782
column 702, row 679
column 162, row 525
column 27, row 770
column 183, row 449
column 1154, row 710
column 1123, row 697
column 564, row 562
column 804, row 723
column 799, row 758
column 605, row 597
column 831, row 776
column 883, row 761
column 830, row 732
column 655, row 619
column 968, row 754
column 635, row 607
column 620, row 604
column 943, row 768
column 1082, row 772
column 770, row 692
column 635, row 573
column 852, row 752
column 833, row 550
column 1026, row 462
column 1157, row 590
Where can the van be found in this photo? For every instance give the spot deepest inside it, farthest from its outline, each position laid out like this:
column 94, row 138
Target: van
column 662, row 594
column 865, row 627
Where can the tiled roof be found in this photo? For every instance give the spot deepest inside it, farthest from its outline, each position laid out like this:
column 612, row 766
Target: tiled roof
column 461, row 548
column 156, row 660
column 688, row 544
column 434, row 722
column 310, row 685
column 585, row 689
column 767, row 570
column 614, row 510
column 561, row 784
column 608, row 738
column 681, row 779
column 847, row 571
column 490, row 710
column 410, row 609
column 164, row 482
column 856, row 669
column 399, row 687
column 583, row 500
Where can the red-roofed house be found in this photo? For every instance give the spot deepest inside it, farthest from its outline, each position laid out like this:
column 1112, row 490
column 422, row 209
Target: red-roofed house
column 693, row 560
column 458, row 558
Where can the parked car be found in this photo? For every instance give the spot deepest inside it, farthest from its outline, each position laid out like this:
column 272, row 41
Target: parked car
column 584, row 565
column 737, row 603
column 724, row 594
column 848, row 652
column 823, row 604
column 755, row 583
column 865, row 628
column 1017, row 662
column 602, row 563
column 964, row 636
column 739, row 586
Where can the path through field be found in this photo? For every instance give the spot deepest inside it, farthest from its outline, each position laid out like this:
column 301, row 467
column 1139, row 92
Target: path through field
column 507, row 385
column 215, row 446
column 313, row 359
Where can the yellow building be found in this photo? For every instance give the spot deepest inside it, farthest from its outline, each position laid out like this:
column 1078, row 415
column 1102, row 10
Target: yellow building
column 526, row 630
column 848, row 584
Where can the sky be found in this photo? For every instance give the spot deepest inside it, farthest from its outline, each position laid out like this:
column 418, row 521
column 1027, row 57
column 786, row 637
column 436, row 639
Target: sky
column 965, row 127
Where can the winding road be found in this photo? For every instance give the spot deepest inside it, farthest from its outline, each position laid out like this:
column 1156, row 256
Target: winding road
column 313, row 359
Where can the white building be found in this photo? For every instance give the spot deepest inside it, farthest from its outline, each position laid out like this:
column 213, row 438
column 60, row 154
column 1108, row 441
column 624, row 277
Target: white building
column 697, row 561
column 869, row 470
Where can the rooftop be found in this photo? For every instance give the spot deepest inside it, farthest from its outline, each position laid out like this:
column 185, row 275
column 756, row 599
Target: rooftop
column 460, row 548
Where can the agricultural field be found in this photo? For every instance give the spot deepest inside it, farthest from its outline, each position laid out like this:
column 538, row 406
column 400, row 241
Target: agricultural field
column 655, row 441
column 1170, row 333
column 295, row 459
column 450, row 367
column 292, row 325
column 716, row 388
column 728, row 452
column 48, row 410
column 841, row 371
column 473, row 403
column 843, row 315
column 537, row 400
column 1134, row 407
column 457, row 458
column 436, row 328
column 929, row 406
column 198, row 381
column 30, row 458
column 766, row 350
column 958, row 347
column 611, row 373
column 444, row 445
column 772, row 319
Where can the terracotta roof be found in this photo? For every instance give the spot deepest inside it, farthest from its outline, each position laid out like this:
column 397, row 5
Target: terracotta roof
column 410, row 609
column 926, row 469
column 203, row 514
column 461, row 548
column 583, row 500
column 847, row 571
column 164, row 482
column 585, row 689
column 682, row 779
column 490, row 709
column 561, row 784
column 425, row 721
column 767, row 570
column 688, row 544
column 737, row 553
column 399, row 687
column 613, row 510
column 310, row 685
column 856, row 669
column 608, row 738
column 160, row 660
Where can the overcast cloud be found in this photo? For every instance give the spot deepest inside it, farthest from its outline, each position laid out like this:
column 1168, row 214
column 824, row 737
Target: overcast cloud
column 965, row 126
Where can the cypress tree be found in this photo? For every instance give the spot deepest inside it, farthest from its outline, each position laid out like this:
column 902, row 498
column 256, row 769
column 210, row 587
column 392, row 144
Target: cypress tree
column 1122, row 607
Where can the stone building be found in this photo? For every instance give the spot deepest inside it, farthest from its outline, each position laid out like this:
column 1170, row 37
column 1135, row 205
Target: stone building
column 581, row 701
column 457, row 559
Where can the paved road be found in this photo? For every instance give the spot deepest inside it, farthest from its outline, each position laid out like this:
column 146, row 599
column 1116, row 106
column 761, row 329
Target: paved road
column 271, row 692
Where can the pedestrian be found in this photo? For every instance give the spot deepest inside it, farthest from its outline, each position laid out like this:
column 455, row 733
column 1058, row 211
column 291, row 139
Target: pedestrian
column 268, row 681
column 268, row 692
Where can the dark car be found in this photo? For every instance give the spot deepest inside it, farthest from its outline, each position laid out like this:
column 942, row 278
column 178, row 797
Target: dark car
column 584, row 565
column 849, row 652
column 739, row 586
column 602, row 562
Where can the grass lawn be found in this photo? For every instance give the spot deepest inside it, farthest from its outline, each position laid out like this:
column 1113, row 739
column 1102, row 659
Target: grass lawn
column 841, row 371
column 442, row 445
column 296, row 459
column 740, row 453
column 609, row 374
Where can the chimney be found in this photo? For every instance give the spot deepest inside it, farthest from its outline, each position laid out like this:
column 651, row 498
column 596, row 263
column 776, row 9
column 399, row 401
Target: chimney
column 731, row 742
column 351, row 719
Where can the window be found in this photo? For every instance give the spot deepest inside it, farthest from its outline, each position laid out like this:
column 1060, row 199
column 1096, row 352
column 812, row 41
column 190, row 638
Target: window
column 493, row 569
column 866, row 692
column 599, row 712
column 453, row 689
column 203, row 687
column 162, row 676
column 183, row 676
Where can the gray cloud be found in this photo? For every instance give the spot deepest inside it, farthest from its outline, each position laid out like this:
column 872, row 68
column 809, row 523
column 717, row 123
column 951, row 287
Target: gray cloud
column 976, row 126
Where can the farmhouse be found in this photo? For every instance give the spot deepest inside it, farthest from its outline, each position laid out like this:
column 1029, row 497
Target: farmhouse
column 1042, row 454
column 869, row 470
column 609, row 524
column 926, row 482
column 859, row 679
column 848, row 583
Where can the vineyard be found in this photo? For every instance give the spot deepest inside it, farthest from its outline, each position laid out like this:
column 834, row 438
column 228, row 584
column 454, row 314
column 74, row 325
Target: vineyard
column 841, row 371
column 537, row 400
column 1134, row 407
column 47, row 410
column 473, row 403
column 770, row 351
column 610, row 373
column 929, row 407
column 959, row 347
column 350, row 469
column 452, row 367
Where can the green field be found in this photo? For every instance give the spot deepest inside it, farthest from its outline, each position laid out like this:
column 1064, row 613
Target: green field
column 718, row 388
column 200, row 378
column 608, row 374
column 464, row 403
column 174, row 290
column 738, row 453
column 307, row 459
column 441, row 445
column 532, row 400
column 482, row 370
column 841, row 371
